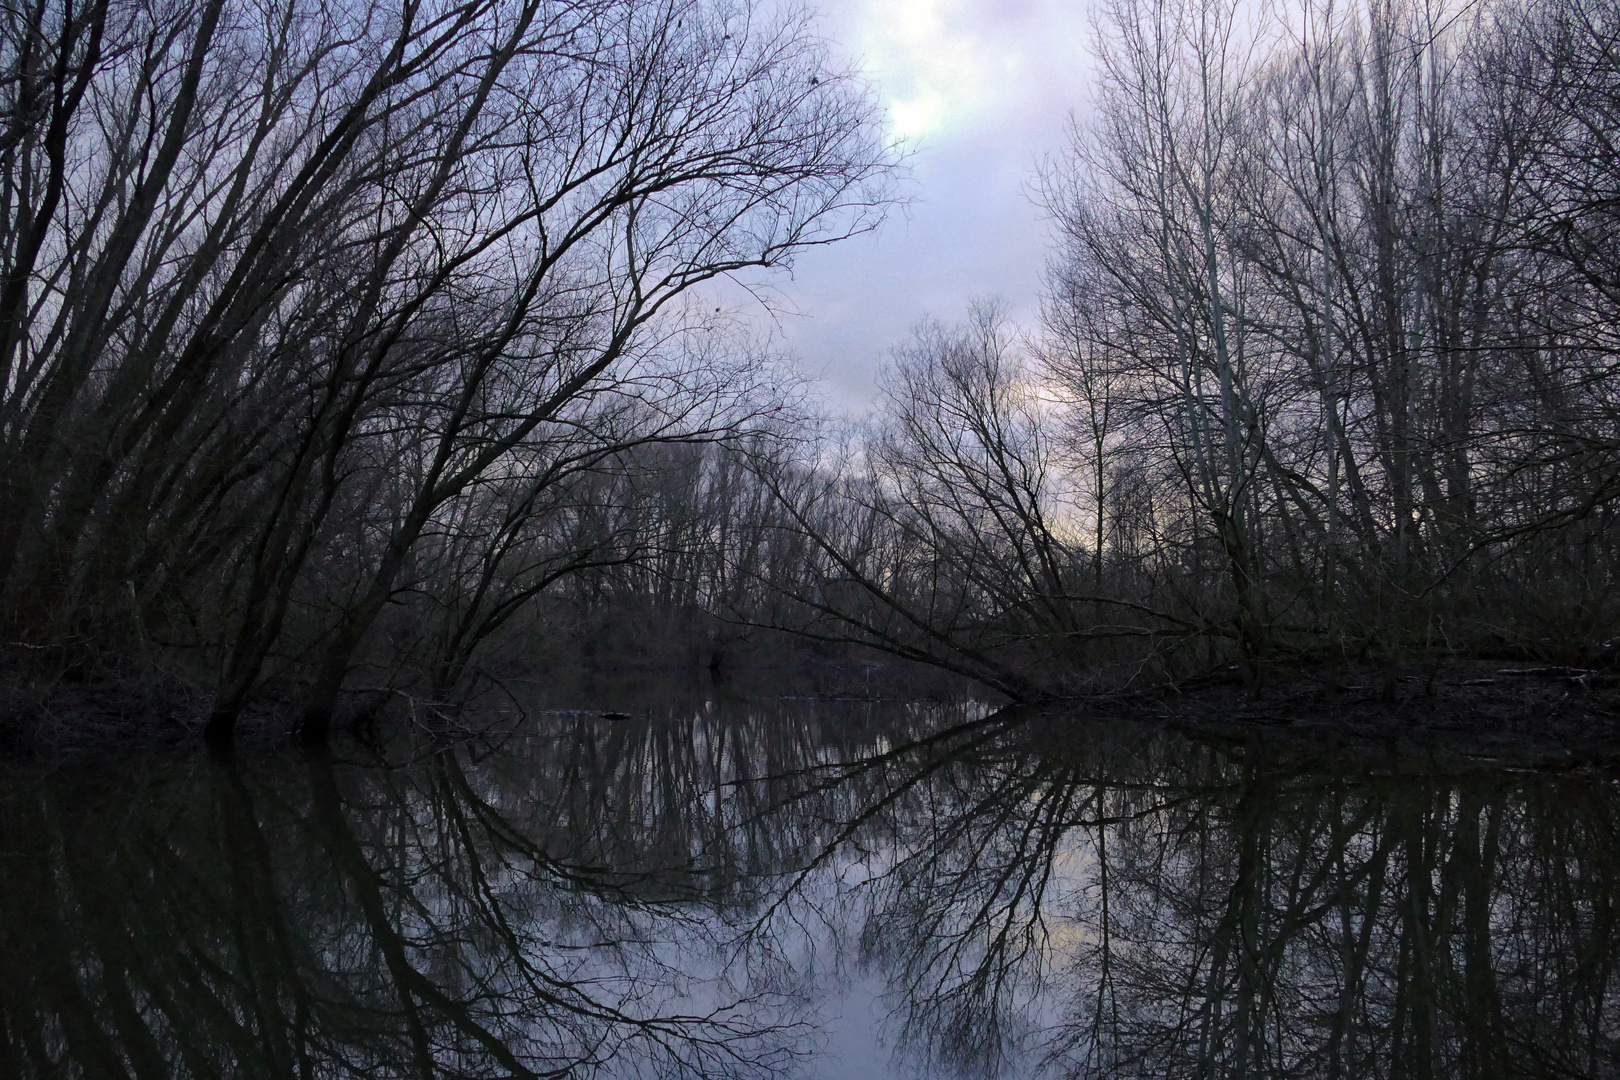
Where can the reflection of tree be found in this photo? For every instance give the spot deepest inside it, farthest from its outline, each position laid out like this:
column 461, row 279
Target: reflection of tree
column 1162, row 909
column 641, row 898
column 452, row 916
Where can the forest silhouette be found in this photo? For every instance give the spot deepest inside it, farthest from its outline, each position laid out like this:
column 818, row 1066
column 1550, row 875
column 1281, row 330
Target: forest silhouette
column 358, row 353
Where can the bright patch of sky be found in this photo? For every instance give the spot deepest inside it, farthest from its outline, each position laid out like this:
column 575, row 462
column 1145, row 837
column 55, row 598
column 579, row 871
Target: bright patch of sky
column 980, row 90
column 942, row 65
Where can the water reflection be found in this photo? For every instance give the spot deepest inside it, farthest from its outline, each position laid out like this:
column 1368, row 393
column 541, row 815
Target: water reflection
column 1145, row 906
column 681, row 897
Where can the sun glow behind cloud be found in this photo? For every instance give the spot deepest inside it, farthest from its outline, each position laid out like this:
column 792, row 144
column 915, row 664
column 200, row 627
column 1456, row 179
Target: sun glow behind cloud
column 939, row 64
column 978, row 91
column 931, row 72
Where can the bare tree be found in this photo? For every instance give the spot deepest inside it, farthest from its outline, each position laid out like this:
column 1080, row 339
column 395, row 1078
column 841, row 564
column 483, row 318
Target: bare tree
column 1147, row 199
column 284, row 282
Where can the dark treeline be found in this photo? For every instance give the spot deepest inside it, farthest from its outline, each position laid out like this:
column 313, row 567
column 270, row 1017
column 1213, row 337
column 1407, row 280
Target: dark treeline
column 676, row 897
column 337, row 337
column 1327, row 365
column 314, row 311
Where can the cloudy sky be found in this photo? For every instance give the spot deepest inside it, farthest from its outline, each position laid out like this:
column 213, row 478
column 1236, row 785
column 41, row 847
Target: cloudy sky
column 980, row 89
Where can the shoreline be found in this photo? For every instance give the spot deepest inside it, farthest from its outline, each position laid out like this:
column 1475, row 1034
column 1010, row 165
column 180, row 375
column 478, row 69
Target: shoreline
column 1546, row 714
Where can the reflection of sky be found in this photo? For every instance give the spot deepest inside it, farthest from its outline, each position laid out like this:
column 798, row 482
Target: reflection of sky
column 980, row 89
column 853, row 1048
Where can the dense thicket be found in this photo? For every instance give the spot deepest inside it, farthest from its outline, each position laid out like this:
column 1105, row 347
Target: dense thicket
column 338, row 336
column 1328, row 364
column 315, row 311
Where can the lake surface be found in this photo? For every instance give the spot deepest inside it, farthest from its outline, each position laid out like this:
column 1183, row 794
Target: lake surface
column 820, row 889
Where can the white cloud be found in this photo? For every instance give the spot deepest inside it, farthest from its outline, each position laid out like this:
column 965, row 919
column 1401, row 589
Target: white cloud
column 929, row 62
column 948, row 66
column 979, row 89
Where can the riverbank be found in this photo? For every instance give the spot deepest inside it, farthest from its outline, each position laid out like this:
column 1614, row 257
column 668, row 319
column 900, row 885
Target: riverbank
column 1540, row 714
column 109, row 715
column 1537, row 714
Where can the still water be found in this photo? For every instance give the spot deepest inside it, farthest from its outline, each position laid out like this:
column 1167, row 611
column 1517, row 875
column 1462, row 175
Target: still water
column 811, row 889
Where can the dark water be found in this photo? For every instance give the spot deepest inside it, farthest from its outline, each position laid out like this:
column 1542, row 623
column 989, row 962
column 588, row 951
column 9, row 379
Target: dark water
column 814, row 889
